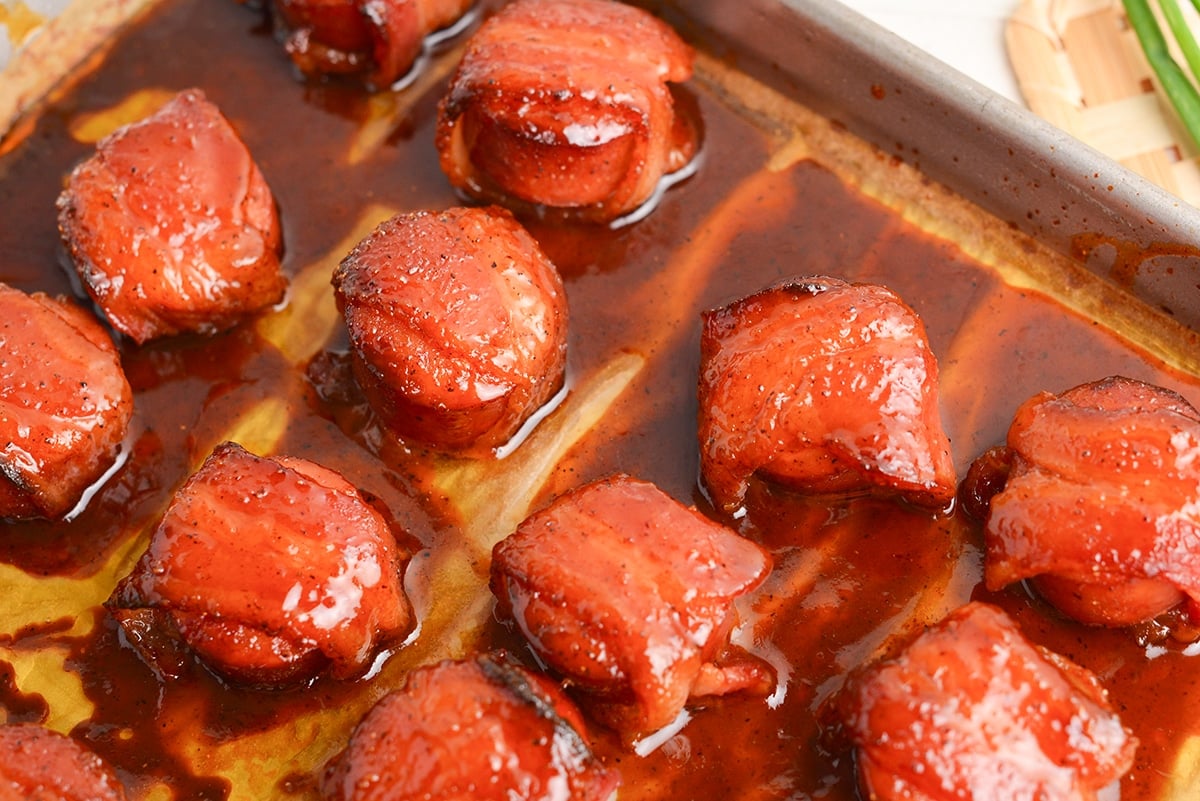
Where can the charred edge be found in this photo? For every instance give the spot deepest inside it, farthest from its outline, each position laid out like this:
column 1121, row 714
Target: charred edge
column 499, row 671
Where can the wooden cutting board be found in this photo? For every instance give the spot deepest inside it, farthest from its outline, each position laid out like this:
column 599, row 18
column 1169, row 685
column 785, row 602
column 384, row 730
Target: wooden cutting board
column 1079, row 65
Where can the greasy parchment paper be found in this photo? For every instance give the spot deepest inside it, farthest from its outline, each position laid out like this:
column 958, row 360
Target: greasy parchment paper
column 496, row 496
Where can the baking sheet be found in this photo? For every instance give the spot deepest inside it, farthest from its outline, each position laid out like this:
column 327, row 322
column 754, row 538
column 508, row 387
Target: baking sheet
column 1026, row 172
column 767, row 66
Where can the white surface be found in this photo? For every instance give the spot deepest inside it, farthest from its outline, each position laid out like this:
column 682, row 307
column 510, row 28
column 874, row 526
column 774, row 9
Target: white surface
column 968, row 36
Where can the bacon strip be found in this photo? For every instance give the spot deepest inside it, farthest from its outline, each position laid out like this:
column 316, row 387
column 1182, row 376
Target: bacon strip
column 458, row 325
column 629, row 594
column 171, row 225
column 65, row 404
column 566, row 104
column 1101, row 502
column 378, row 39
column 971, row 709
column 271, row 569
column 825, row 387
column 38, row 763
column 482, row 729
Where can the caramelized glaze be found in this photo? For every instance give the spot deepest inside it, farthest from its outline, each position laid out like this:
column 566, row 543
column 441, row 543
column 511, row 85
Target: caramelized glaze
column 851, row 578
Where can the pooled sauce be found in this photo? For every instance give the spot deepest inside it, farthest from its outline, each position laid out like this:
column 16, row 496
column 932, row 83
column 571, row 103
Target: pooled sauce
column 850, row 577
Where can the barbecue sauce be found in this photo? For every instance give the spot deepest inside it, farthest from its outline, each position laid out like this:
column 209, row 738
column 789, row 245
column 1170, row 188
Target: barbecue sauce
column 852, row 578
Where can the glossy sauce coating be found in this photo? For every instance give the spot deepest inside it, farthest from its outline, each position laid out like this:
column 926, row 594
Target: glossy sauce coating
column 458, row 325
column 484, row 728
column 171, row 225
column 849, row 572
column 65, row 404
column 971, row 709
column 271, row 569
column 1099, row 502
column 379, row 40
column 565, row 104
column 823, row 386
column 38, row 764
column 629, row 595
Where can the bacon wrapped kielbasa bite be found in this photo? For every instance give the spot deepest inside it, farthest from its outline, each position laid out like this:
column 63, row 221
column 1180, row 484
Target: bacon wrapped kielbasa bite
column 65, row 404
column 972, row 709
column 1097, row 502
column 458, row 326
column 271, row 570
column 171, row 225
column 825, row 387
column 483, row 729
column 629, row 595
column 40, row 764
column 566, row 104
column 379, row 40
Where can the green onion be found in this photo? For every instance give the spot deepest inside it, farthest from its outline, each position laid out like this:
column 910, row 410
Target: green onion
column 1182, row 33
column 1179, row 89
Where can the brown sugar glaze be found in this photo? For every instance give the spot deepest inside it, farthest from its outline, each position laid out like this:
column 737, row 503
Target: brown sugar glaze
column 852, row 578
